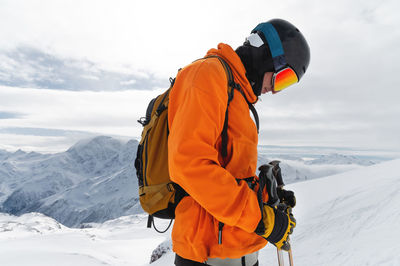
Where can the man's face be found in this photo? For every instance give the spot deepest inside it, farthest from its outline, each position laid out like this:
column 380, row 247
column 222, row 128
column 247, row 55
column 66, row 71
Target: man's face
column 267, row 82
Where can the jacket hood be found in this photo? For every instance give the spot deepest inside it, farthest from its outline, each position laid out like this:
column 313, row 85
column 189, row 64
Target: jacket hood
column 239, row 72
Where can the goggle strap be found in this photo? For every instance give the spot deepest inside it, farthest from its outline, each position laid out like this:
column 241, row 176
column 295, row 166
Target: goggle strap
column 279, row 62
column 274, row 43
column 272, row 37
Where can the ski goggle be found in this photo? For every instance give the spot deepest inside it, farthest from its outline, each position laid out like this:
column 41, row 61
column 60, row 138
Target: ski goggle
column 283, row 79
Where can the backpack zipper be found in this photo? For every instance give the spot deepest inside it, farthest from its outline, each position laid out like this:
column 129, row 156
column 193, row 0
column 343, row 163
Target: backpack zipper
column 145, row 162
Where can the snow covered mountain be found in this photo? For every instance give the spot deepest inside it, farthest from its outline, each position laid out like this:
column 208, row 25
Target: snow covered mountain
column 95, row 179
column 296, row 169
column 346, row 219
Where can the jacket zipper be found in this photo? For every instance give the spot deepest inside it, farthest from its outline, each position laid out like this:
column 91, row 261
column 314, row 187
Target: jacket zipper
column 220, row 226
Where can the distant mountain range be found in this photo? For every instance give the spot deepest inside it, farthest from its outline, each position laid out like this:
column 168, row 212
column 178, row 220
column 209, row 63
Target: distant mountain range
column 296, row 169
column 95, row 180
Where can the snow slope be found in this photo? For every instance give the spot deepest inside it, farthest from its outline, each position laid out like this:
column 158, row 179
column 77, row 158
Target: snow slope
column 346, row 219
column 36, row 240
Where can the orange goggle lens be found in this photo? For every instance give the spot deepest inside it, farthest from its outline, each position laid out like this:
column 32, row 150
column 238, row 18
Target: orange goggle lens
column 283, row 79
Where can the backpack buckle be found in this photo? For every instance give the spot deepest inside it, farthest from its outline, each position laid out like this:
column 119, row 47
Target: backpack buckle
column 170, row 187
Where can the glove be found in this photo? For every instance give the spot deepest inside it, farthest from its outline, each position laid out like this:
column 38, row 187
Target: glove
column 287, row 197
column 276, row 225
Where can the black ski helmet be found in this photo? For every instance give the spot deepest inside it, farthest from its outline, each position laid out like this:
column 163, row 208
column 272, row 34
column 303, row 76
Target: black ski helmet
column 282, row 45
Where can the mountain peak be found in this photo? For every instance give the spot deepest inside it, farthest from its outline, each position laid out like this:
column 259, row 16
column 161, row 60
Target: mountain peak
column 100, row 141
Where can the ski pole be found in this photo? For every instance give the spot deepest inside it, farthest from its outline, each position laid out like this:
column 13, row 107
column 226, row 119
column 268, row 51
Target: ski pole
column 290, row 257
column 268, row 180
column 279, row 181
column 280, row 257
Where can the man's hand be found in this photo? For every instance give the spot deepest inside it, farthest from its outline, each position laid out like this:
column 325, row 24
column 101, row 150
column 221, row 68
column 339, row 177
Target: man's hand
column 287, row 197
column 277, row 223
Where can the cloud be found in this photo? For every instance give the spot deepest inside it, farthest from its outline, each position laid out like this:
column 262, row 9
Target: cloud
column 348, row 122
column 9, row 115
column 38, row 143
column 128, row 82
column 25, row 66
column 40, row 131
column 349, row 95
column 43, row 140
column 69, row 115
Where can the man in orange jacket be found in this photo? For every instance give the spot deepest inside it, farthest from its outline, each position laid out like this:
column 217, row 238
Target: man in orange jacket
column 220, row 222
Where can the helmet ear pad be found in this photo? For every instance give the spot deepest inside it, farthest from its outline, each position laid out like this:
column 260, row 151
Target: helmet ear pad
column 257, row 61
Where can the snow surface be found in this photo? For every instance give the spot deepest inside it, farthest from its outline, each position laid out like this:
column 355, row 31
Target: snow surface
column 346, row 219
column 36, row 240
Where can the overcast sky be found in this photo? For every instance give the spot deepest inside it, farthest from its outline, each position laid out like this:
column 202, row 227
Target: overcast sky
column 75, row 69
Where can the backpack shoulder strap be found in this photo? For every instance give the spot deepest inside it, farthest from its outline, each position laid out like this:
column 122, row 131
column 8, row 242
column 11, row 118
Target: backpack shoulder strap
column 165, row 100
column 255, row 115
column 233, row 85
column 231, row 89
column 253, row 111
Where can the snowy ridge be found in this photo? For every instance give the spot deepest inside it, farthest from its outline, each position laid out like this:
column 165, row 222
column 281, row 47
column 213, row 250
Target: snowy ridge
column 337, row 159
column 28, row 224
column 296, row 169
column 346, row 219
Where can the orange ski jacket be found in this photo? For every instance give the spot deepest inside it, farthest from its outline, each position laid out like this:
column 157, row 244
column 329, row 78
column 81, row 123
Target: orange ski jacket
column 196, row 115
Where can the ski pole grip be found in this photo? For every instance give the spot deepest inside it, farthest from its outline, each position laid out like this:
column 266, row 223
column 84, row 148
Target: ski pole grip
column 277, row 173
column 261, row 188
column 267, row 179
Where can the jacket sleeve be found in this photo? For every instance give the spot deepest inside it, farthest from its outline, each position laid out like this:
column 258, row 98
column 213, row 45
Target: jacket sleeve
column 195, row 126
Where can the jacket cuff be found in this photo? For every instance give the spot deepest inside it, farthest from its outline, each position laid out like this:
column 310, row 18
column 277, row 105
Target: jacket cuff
column 251, row 214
